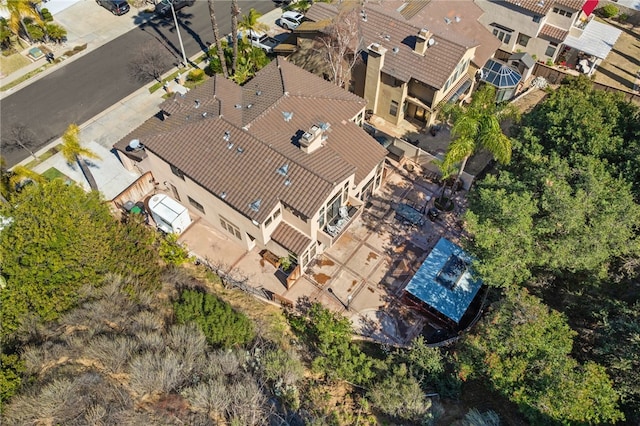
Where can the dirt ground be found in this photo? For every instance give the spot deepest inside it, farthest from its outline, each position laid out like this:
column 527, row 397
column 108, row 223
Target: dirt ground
column 620, row 68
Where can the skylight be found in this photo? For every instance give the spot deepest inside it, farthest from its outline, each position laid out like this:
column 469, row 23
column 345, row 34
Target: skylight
column 287, row 115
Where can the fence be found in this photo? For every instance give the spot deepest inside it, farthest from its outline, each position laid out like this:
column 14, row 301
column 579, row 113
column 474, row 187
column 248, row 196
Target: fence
column 555, row 76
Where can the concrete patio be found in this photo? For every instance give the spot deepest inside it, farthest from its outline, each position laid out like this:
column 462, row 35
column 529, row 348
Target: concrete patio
column 361, row 276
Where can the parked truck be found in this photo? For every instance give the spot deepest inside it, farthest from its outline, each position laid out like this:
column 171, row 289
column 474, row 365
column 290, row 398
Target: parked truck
column 259, row 40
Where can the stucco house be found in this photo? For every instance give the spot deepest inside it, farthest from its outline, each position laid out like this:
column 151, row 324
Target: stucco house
column 411, row 65
column 537, row 27
column 280, row 163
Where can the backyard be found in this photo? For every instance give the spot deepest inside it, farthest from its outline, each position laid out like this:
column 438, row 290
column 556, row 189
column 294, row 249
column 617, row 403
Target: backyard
column 620, row 68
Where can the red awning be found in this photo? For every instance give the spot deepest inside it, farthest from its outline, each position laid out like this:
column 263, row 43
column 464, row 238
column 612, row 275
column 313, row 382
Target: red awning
column 589, row 6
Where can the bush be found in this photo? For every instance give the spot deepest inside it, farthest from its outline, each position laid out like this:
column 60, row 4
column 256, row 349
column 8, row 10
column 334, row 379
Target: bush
column 196, row 75
column 46, row 15
column 221, row 325
column 56, row 32
column 623, row 17
column 609, row 11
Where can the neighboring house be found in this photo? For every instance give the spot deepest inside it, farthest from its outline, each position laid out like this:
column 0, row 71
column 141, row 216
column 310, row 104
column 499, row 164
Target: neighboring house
column 537, row 27
column 408, row 70
column 280, row 163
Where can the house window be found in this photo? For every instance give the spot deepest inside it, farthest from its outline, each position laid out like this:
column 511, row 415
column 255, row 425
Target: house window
column 562, row 12
column 174, row 190
column 393, row 109
column 230, row 228
column 502, row 35
column 523, row 40
column 537, row 18
column 551, row 49
column 196, row 204
column 268, row 222
column 321, row 218
column 176, row 171
column 276, row 214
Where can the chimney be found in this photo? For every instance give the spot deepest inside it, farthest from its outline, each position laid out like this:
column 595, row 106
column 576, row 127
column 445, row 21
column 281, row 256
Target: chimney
column 422, row 41
column 375, row 63
column 311, row 139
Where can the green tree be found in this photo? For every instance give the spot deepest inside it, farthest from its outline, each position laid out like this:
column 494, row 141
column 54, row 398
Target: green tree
column 235, row 12
column 524, row 348
column 73, row 151
column 220, row 323
column 335, row 355
column 55, row 244
column 250, row 23
column 477, row 126
column 399, row 395
column 55, row 32
column 216, row 38
column 19, row 10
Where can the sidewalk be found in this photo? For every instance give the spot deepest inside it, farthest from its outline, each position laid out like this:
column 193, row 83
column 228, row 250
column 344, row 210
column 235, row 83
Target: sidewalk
column 87, row 23
column 117, row 121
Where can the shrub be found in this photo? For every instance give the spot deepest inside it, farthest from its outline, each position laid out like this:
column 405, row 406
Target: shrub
column 46, row 15
column 196, row 75
column 56, row 32
column 171, row 251
column 221, row 325
column 623, row 17
column 609, row 11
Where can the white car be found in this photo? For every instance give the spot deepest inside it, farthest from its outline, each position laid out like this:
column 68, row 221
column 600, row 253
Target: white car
column 291, row 19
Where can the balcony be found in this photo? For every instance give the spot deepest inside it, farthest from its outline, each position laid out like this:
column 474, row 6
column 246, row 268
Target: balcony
column 334, row 229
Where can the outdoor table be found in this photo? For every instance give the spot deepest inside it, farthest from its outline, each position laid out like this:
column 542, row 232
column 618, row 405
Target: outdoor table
column 409, row 213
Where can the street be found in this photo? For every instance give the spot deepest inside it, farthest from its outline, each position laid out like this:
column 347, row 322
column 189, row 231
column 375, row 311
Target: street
column 81, row 89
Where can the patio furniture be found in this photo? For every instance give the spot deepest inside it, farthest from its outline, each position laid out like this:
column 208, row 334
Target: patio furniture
column 271, row 258
column 409, row 214
column 344, row 212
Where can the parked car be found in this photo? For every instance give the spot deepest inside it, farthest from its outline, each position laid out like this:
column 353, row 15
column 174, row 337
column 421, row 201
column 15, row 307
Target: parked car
column 291, row 19
column 117, row 7
column 281, row 3
column 258, row 39
column 163, row 8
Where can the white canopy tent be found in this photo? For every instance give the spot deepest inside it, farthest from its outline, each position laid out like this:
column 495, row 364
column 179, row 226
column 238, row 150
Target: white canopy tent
column 593, row 45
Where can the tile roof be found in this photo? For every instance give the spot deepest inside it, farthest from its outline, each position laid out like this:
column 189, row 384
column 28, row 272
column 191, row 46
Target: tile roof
column 290, row 238
column 391, row 30
column 541, row 7
column 194, row 142
column 553, row 33
column 466, row 30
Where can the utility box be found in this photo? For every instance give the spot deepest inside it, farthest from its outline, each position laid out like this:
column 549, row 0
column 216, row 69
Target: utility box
column 169, row 215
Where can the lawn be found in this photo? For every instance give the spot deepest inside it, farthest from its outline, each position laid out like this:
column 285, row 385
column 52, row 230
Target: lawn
column 53, row 173
column 11, row 63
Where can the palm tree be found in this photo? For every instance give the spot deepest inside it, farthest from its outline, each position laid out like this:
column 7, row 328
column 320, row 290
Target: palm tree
column 477, row 126
column 18, row 10
column 216, row 39
column 72, row 151
column 235, row 11
column 250, row 22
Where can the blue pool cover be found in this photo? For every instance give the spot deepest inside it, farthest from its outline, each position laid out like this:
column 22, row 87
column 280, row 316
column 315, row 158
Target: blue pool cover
column 444, row 280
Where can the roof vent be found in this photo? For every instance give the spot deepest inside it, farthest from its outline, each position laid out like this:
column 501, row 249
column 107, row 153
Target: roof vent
column 387, row 37
column 197, row 103
column 259, row 92
column 255, row 206
column 541, row 3
column 287, row 116
column 457, row 18
column 283, row 170
column 447, row 20
column 287, row 182
column 229, row 145
column 249, row 106
column 227, row 136
column 135, row 145
column 431, row 41
column 363, row 14
column 239, row 150
column 223, row 195
column 204, row 114
column 395, row 49
column 238, row 106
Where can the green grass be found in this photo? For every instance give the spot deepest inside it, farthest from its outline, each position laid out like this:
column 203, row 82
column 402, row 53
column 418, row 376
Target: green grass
column 53, row 173
column 11, row 63
column 48, row 154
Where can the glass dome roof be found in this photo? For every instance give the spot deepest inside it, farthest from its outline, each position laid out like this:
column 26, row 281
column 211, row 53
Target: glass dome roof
column 500, row 75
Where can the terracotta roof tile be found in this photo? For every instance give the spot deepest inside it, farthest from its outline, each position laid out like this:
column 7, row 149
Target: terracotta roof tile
column 290, row 238
column 542, row 7
column 390, row 30
column 553, row 33
column 193, row 141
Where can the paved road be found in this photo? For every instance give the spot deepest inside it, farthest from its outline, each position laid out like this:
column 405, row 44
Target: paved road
column 83, row 88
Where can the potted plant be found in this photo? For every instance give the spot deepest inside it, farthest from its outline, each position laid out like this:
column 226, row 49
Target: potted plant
column 286, row 265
